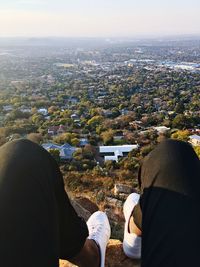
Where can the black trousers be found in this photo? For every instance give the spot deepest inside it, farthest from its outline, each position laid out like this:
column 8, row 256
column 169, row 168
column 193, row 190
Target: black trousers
column 38, row 225
column 169, row 208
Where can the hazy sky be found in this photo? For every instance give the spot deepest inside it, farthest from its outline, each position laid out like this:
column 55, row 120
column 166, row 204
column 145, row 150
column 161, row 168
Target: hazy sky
column 99, row 18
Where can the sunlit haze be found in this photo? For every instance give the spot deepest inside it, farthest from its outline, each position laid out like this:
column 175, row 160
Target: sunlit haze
column 98, row 18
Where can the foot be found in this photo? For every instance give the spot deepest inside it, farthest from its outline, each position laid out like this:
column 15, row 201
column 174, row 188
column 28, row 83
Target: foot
column 131, row 242
column 99, row 231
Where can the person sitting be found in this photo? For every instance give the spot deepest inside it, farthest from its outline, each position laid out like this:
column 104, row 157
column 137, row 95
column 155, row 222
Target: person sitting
column 38, row 224
column 163, row 223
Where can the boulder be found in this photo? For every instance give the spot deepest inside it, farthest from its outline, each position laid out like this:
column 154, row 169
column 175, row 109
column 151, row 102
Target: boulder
column 63, row 263
column 84, row 207
column 122, row 189
column 113, row 202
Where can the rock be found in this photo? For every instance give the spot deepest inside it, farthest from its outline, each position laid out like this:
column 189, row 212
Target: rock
column 123, row 196
column 115, row 257
column 114, row 210
column 115, row 215
column 113, row 202
column 85, row 214
column 63, row 263
column 87, row 204
column 121, row 188
column 84, row 207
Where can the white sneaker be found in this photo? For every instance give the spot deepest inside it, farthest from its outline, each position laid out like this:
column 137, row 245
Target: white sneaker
column 99, row 231
column 131, row 243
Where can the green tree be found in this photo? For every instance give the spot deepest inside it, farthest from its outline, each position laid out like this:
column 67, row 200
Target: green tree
column 181, row 135
column 197, row 150
column 107, row 137
column 75, row 141
column 180, row 108
column 180, row 122
column 55, row 153
column 37, row 119
column 95, row 121
column 129, row 163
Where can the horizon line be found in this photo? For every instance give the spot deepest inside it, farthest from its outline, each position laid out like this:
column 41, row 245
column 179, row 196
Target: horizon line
column 103, row 37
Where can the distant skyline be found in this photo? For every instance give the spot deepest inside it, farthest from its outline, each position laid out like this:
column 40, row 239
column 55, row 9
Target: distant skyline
column 98, row 18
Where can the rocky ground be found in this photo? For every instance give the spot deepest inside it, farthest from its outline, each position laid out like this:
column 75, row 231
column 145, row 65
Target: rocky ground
column 115, row 257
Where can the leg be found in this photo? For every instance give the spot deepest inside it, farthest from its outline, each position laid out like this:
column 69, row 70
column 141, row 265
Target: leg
column 93, row 252
column 28, row 225
column 38, row 223
column 89, row 256
column 169, row 202
column 132, row 234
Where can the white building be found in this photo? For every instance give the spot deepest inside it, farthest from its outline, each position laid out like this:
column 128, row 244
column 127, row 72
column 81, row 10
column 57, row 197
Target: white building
column 43, row 111
column 115, row 152
column 195, row 140
column 161, row 129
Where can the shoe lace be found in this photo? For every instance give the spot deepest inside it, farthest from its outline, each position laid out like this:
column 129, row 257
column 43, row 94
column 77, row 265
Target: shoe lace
column 96, row 230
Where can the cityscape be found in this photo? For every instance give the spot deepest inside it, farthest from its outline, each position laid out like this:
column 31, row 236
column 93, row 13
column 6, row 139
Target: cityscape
column 100, row 107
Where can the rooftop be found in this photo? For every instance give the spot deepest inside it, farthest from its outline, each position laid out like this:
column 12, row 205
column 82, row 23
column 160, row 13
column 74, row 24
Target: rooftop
column 195, row 136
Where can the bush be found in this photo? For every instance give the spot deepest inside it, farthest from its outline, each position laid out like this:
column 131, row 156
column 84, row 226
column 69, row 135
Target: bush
column 73, row 181
column 125, row 175
column 55, row 153
column 145, row 150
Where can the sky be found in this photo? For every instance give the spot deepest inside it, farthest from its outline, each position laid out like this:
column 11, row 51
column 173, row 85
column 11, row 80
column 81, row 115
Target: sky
column 98, row 18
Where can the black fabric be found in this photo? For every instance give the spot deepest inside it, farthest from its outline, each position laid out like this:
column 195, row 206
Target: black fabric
column 38, row 225
column 170, row 206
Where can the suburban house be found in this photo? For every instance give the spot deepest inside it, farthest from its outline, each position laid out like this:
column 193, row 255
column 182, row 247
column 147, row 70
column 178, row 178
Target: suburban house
column 66, row 150
column 195, row 140
column 161, row 129
column 83, row 142
column 75, row 116
column 115, row 152
column 119, row 135
column 54, row 130
column 43, row 111
column 8, row 108
column 73, row 100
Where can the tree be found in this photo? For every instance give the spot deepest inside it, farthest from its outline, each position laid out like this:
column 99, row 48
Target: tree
column 55, row 153
column 179, row 108
column 129, row 163
column 17, row 114
column 182, row 135
column 95, row 121
column 180, row 122
column 197, row 150
column 107, row 137
column 66, row 138
column 37, row 119
column 83, row 159
column 52, row 109
column 110, row 165
column 75, row 141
